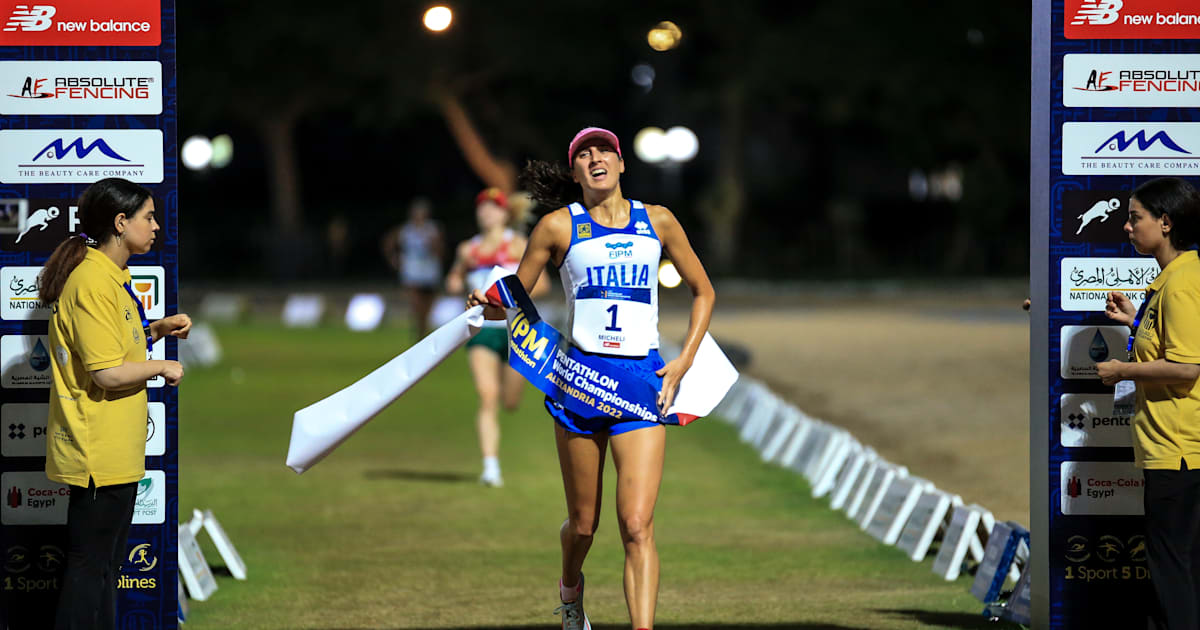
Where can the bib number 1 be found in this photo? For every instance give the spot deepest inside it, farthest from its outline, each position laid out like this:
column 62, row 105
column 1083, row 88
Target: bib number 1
column 613, row 326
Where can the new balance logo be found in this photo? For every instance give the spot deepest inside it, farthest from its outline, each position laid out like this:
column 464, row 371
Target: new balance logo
column 1098, row 13
column 27, row 19
column 1118, row 142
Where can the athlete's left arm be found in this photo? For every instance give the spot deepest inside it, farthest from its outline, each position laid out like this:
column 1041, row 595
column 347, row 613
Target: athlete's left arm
column 679, row 250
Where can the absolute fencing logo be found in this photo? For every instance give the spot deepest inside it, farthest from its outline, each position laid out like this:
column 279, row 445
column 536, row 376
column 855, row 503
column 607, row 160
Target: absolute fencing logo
column 1135, row 80
column 80, row 87
column 75, row 156
column 1131, row 19
column 1114, row 148
column 1095, row 216
column 108, row 23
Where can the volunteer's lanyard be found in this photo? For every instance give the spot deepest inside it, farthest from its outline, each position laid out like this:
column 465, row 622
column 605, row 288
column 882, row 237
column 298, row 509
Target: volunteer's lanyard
column 1137, row 322
column 142, row 314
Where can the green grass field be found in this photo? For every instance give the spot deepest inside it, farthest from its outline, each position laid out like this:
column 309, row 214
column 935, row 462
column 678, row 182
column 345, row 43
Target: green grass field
column 392, row 530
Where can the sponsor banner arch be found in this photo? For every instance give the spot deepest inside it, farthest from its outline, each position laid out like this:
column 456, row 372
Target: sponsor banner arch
column 1115, row 90
column 87, row 90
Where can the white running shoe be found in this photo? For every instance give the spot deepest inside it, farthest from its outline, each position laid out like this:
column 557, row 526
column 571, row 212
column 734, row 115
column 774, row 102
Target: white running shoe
column 491, row 479
column 573, row 617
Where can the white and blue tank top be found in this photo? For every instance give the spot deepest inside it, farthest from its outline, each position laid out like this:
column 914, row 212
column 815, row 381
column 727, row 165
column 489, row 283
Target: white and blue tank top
column 610, row 277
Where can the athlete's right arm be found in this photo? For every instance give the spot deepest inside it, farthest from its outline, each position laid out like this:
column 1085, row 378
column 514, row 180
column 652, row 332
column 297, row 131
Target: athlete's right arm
column 456, row 276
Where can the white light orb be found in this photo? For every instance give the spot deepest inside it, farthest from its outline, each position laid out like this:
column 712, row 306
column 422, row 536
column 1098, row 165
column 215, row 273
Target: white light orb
column 650, row 145
column 364, row 312
column 196, row 153
column 668, row 275
column 682, row 144
column 437, row 19
column 222, row 151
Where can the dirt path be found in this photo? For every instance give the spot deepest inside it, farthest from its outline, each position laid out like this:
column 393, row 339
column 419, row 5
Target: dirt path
column 937, row 383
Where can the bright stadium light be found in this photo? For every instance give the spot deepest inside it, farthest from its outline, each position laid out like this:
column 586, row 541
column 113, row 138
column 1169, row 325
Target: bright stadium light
column 437, row 19
column 196, row 153
column 222, row 151
column 650, row 145
column 664, row 36
column 668, row 275
column 364, row 312
column 682, row 144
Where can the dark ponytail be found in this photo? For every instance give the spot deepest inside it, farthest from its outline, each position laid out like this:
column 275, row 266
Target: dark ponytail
column 549, row 184
column 1177, row 199
column 99, row 205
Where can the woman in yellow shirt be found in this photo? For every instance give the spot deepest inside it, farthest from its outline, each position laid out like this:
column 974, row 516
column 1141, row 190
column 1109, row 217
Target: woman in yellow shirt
column 1164, row 222
column 96, row 431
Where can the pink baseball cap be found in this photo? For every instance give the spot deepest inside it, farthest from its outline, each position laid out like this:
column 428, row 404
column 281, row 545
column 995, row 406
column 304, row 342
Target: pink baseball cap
column 592, row 132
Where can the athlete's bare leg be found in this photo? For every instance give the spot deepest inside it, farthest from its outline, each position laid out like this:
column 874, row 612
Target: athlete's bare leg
column 581, row 458
column 513, row 385
column 638, row 456
column 421, row 301
column 485, row 368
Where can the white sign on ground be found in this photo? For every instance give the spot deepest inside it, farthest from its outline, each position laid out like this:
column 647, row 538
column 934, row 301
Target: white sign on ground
column 895, row 508
column 765, row 430
column 858, row 496
column 928, row 516
column 795, row 444
column 818, row 437
column 852, row 473
column 832, row 462
column 193, row 567
column 884, row 477
column 788, row 425
column 224, row 546
column 995, row 563
column 760, row 415
column 303, row 310
column 961, row 538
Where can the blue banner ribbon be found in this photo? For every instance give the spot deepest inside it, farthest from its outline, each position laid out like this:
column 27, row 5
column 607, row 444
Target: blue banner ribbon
column 585, row 384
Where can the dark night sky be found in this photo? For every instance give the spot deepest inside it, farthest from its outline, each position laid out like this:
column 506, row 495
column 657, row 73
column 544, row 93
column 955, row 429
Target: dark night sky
column 823, row 109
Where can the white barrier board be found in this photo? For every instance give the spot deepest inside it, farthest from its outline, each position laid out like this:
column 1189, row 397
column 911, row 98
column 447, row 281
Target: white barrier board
column 193, row 567
column 927, row 517
column 856, row 462
column 895, row 507
column 788, row 425
column 884, row 476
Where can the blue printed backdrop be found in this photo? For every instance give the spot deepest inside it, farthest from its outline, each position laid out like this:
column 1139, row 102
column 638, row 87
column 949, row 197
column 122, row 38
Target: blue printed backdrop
column 1097, row 569
column 32, row 565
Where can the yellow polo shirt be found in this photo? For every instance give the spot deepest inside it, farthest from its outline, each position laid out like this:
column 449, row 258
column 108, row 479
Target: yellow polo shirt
column 92, row 432
column 1166, row 427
